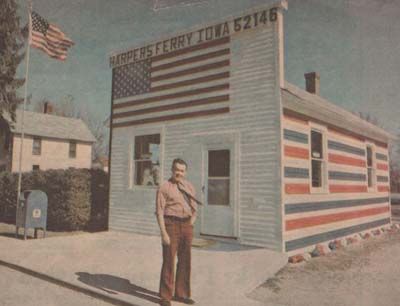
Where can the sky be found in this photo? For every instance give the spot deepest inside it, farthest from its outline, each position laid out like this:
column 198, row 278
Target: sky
column 353, row 44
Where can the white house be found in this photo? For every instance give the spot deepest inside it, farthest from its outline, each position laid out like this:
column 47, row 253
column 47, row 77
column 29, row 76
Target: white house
column 50, row 142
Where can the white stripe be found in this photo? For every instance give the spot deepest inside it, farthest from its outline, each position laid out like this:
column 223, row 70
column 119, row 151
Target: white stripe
column 190, row 65
column 300, row 198
column 170, row 101
column 190, row 77
column 325, row 212
column 173, row 112
column 39, row 39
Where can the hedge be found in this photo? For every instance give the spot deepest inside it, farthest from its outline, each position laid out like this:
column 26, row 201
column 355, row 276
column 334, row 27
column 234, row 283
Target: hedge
column 77, row 198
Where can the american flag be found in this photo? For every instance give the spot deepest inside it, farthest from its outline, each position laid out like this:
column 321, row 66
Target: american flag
column 49, row 38
column 185, row 83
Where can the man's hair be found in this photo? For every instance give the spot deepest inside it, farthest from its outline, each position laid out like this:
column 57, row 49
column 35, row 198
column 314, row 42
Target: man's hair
column 179, row 161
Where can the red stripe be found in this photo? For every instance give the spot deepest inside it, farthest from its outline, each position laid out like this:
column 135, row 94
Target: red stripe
column 297, row 188
column 180, row 105
column 173, row 117
column 47, row 51
column 383, row 188
column 345, row 160
column 347, row 188
column 291, row 151
column 181, row 94
column 325, row 219
column 381, row 166
column 47, row 44
column 190, row 71
column 191, row 60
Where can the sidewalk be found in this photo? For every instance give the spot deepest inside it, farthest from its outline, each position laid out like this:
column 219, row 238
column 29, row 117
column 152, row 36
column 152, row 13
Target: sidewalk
column 124, row 268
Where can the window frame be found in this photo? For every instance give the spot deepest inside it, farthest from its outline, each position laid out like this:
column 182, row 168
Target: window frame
column 324, row 160
column 34, row 166
column 373, row 166
column 132, row 161
column 226, row 178
column 34, row 139
column 75, row 151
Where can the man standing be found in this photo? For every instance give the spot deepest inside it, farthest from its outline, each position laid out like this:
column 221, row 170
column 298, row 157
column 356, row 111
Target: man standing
column 176, row 214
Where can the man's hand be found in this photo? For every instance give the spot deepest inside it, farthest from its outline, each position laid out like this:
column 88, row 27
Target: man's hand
column 165, row 239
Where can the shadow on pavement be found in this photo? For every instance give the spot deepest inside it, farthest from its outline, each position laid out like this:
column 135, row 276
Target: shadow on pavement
column 114, row 285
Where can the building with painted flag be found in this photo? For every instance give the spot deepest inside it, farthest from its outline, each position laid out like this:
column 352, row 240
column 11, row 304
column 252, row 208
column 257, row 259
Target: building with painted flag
column 276, row 166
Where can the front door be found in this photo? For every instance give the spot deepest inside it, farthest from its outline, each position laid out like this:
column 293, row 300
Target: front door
column 218, row 213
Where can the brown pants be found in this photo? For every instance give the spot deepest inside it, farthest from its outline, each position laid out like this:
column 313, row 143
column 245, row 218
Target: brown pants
column 180, row 233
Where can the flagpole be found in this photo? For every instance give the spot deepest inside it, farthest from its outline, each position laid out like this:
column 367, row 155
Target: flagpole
column 25, row 98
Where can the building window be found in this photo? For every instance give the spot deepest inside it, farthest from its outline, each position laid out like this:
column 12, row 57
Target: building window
column 147, row 160
column 370, row 167
column 72, row 149
column 318, row 164
column 37, row 146
column 35, row 167
column 218, row 177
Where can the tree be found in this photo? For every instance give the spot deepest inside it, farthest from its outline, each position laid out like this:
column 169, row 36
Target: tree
column 12, row 38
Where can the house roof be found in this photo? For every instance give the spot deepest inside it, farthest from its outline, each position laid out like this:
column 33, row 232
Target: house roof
column 316, row 107
column 52, row 126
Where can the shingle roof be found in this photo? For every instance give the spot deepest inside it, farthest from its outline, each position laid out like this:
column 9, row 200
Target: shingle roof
column 303, row 102
column 52, row 126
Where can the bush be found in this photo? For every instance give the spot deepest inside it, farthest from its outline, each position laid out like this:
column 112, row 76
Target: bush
column 77, row 198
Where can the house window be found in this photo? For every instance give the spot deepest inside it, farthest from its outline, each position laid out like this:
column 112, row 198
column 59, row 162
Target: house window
column 37, row 146
column 72, row 149
column 147, row 160
column 370, row 167
column 317, row 161
column 218, row 177
column 35, row 167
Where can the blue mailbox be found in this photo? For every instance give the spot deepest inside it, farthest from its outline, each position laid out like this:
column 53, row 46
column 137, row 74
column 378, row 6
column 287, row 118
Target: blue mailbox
column 32, row 211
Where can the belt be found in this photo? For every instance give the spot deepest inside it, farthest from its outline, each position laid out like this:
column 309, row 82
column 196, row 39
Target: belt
column 178, row 219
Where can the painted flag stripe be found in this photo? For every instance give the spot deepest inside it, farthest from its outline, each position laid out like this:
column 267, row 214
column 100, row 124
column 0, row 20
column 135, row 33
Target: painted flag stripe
column 347, row 176
column 347, row 188
column 314, row 239
column 173, row 117
column 296, row 152
column 381, row 166
column 297, row 188
column 331, row 218
column 172, row 96
column 191, row 60
column 345, row 160
column 383, row 188
column 338, row 146
column 292, row 172
column 381, row 156
column 185, row 104
column 324, row 205
column 295, row 136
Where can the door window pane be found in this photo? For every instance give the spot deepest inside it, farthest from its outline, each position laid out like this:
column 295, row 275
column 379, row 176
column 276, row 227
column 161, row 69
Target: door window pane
column 218, row 163
column 218, row 191
column 218, row 177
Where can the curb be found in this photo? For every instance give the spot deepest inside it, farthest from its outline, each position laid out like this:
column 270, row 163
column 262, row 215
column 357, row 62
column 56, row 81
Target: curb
column 67, row 285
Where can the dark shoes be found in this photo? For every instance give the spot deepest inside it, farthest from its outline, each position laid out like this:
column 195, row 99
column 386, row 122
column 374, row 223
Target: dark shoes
column 187, row 301
column 165, row 303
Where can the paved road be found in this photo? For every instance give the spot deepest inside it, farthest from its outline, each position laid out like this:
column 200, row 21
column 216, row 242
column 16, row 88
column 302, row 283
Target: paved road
column 18, row 289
